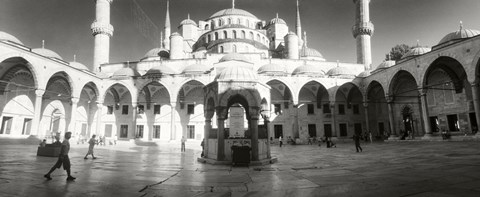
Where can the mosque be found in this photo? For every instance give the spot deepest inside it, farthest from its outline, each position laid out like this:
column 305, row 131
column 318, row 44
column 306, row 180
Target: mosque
column 235, row 78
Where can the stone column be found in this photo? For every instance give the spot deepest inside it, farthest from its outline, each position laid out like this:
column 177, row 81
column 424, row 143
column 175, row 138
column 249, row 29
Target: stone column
column 208, row 129
column 35, row 130
column 367, row 119
column 476, row 105
column 254, row 127
column 134, row 121
column 99, row 118
column 296, row 132
column 425, row 117
column 391, row 119
column 221, row 139
column 266, row 122
column 334, row 122
column 73, row 116
column 172, row 121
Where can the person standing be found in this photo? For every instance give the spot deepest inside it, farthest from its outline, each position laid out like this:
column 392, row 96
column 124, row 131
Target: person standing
column 280, row 141
column 203, row 147
column 356, row 138
column 91, row 144
column 63, row 159
column 183, row 143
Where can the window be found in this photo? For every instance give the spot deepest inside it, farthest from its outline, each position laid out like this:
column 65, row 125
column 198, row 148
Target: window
column 310, row 109
column 209, row 38
column 140, row 109
column 190, row 109
column 123, row 131
column 220, row 23
column 207, row 27
column 239, row 21
column 277, row 108
column 139, row 133
column 312, row 130
column 225, row 35
column 356, row 109
column 110, row 109
column 251, row 35
column 156, row 109
column 190, row 131
column 221, row 49
column 125, row 109
column 343, row 129
column 258, row 37
column 234, row 48
column 234, row 34
column 278, row 128
column 247, row 23
column 216, row 35
column 212, row 24
column 243, row 34
column 229, row 21
column 326, row 109
column 341, row 109
column 156, row 131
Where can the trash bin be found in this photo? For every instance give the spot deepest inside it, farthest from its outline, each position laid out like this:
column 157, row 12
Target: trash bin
column 240, row 155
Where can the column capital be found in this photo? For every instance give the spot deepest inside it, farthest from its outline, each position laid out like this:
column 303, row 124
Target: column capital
column 332, row 104
column 39, row 92
column 173, row 104
column 134, row 104
column 365, row 104
column 74, row 100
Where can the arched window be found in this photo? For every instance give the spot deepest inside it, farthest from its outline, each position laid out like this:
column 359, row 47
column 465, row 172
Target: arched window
column 243, row 34
column 251, row 35
column 234, row 48
column 258, row 37
column 225, row 35
column 220, row 22
column 263, row 40
column 221, row 49
column 213, row 24
column 234, row 34
column 247, row 23
column 239, row 21
column 229, row 21
column 216, row 35
column 207, row 27
column 209, row 38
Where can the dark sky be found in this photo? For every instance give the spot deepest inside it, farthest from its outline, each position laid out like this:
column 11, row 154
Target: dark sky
column 65, row 24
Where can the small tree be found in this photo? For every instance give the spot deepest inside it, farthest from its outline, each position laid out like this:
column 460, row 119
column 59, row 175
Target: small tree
column 397, row 52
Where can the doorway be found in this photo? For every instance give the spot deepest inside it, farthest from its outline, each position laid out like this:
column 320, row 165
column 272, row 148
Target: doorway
column 328, row 130
column 6, row 125
column 27, row 125
column 453, row 122
column 434, row 126
column 473, row 122
column 312, row 130
column 343, row 129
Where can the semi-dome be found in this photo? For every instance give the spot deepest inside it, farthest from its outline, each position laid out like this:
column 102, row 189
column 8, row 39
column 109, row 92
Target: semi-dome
column 9, row 37
column 78, row 65
column 309, row 70
column 47, row 53
column 277, row 21
column 234, row 56
column 309, row 52
column 161, row 70
column 386, row 64
column 232, row 11
column 460, row 34
column 196, row 69
column 272, row 69
column 188, row 22
column 416, row 51
column 340, row 71
column 126, row 72
column 236, row 73
column 157, row 52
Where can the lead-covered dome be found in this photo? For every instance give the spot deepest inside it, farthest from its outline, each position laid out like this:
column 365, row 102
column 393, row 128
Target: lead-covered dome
column 160, row 70
column 277, row 21
column 236, row 73
column 234, row 56
column 196, row 69
column 78, row 66
column 47, row 53
column 309, row 70
column 416, row 51
column 9, row 37
column 157, row 52
column 272, row 69
column 232, row 11
column 460, row 34
column 126, row 72
column 386, row 64
column 364, row 74
column 188, row 21
column 340, row 72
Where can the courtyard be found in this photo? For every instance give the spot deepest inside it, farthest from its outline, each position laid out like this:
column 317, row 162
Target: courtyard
column 405, row 168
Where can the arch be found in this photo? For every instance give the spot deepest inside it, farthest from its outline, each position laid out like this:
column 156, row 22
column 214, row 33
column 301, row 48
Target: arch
column 59, row 86
column 234, row 48
column 116, row 93
column 252, row 97
column 16, row 71
column 221, row 22
column 237, row 98
column 221, row 49
column 229, row 21
column 152, row 91
column 280, row 92
column 403, row 84
column 225, row 35
column 313, row 92
column 252, row 37
column 24, row 60
column 207, row 27
column 244, row 35
column 239, row 21
column 212, row 24
column 209, row 36
column 216, row 35
column 234, row 34
column 452, row 67
column 93, row 89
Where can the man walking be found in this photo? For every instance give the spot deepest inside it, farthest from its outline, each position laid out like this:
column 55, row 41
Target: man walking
column 91, row 143
column 183, row 143
column 356, row 138
column 63, row 159
column 280, row 141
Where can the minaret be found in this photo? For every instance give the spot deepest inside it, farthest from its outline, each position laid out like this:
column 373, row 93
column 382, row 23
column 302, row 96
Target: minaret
column 298, row 24
column 167, row 29
column 102, row 30
column 363, row 31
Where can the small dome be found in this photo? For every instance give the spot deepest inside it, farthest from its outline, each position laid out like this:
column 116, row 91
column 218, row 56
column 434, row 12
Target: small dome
column 386, row 64
column 236, row 73
column 234, row 56
column 272, row 69
column 277, row 21
column 161, row 70
column 126, row 72
column 78, row 66
column 309, row 52
column 47, row 53
column 232, row 11
column 309, row 70
column 196, row 69
column 188, row 22
column 340, row 71
column 6, row 36
column 157, row 52
column 416, row 51
column 364, row 74
column 460, row 34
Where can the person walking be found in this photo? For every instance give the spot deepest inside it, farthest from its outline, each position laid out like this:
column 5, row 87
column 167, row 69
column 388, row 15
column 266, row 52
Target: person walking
column 356, row 138
column 63, row 159
column 183, row 143
column 280, row 141
column 91, row 144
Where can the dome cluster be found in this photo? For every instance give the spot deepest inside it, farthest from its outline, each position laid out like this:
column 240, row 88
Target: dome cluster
column 232, row 11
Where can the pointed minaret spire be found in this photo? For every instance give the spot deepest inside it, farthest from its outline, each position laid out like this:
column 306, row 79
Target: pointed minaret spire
column 74, row 57
column 161, row 40
column 43, row 44
column 277, row 14
column 461, row 25
column 188, row 16
column 167, row 27
column 418, row 43
column 298, row 24
column 233, row 4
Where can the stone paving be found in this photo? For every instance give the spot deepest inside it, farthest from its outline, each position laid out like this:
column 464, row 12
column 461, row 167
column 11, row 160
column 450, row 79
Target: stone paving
column 383, row 169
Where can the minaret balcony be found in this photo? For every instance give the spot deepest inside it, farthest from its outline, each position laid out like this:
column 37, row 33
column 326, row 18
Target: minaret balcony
column 101, row 28
column 366, row 28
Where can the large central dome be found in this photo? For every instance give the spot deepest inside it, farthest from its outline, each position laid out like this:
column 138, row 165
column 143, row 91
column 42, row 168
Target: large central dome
column 232, row 11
